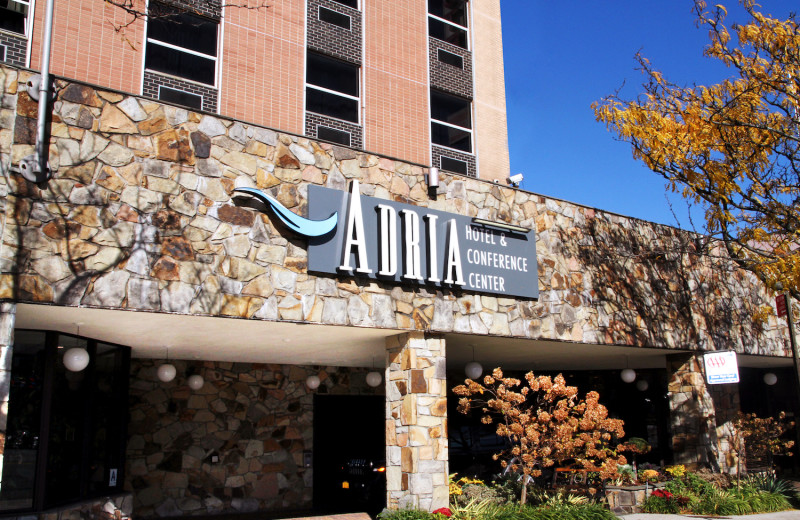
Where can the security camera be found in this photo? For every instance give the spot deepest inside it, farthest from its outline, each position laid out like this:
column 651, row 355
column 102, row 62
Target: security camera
column 514, row 180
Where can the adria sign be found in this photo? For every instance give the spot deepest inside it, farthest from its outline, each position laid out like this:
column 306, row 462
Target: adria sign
column 402, row 243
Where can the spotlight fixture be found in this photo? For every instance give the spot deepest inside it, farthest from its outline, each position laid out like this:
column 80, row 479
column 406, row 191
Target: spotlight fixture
column 433, row 177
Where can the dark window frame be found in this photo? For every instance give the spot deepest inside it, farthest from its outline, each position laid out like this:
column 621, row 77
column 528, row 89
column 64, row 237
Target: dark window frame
column 177, row 57
column 176, row 99
column 335, row 18
column 451, row 127
column 450, row 58
column 25, row 18
column 43, row 496
column 443, row 26
column 333, row 87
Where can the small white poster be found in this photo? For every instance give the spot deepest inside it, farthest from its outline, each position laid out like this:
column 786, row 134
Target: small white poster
column 721, row 367
column 112, row 477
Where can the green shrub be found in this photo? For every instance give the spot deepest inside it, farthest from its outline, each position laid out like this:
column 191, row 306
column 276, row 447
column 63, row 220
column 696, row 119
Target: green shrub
column 404, row 514
column 768, row 483
column 566, row 512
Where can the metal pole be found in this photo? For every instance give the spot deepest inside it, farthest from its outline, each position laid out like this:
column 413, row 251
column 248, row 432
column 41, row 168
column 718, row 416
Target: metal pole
column 796, row 358
column 42, row 147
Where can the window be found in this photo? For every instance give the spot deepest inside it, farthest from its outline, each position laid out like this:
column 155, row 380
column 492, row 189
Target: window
column 454, row 165
column 348, row 3
column 451, row 121
column 181, row 44
column 447, row 21
column 180, row 97
column 14, row 16
column 332, row 87
column 332, row 17
column 451, row 59
column 333, row 135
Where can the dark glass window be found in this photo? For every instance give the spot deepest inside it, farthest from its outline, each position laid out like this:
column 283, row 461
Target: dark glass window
column 348, row 3
column 329, row 104
column 452, row 10
column 180, row 97
column 333, row 135
column 447, row 33
column 451, row 137
column 450, row 109
column 332, row 17
column 2, row 53
column 451, row 59
column 192, row 35
column 454, row 165
column 13, row 16
column 332, row 74
column 66, row 430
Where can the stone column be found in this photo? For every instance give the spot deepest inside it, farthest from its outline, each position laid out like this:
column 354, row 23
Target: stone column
column 701, row 415
column 8, row 312
column 416, row 422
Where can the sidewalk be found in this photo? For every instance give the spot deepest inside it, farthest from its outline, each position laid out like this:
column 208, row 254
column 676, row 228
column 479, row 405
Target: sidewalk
column 782, row 515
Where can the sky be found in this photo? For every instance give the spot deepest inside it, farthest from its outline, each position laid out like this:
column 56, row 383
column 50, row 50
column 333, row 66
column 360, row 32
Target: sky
column 560, row 57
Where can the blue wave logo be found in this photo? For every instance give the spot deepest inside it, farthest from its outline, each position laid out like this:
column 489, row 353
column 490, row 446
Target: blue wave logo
column 300, row 225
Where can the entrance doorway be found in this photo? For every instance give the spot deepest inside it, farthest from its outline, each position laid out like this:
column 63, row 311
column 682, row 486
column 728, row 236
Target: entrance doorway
column 349, row 454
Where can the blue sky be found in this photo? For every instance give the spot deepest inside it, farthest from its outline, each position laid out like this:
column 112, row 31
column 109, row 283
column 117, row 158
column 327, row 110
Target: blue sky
column 562, row 56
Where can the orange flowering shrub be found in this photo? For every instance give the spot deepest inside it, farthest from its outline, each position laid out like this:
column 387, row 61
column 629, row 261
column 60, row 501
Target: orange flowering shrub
column 545, row 422
column 763, row 437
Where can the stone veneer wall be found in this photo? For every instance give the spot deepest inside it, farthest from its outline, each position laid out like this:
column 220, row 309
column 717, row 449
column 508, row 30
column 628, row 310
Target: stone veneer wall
column 701, row 415
column 257, row 419
column 139, row 216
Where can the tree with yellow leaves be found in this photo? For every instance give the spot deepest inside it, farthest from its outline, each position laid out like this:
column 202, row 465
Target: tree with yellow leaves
column 730, row 147
column 545, row 422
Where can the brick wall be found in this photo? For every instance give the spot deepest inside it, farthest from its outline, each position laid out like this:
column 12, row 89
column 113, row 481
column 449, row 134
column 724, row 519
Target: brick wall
column 439, row 152
column 396, row 88
column 93, row 42
column 331, row 39
column 16, row 48
column 152, row 81
column 356, row 132
column 450, row 78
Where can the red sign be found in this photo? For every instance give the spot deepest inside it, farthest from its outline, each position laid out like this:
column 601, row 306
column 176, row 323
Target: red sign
column 780, row 304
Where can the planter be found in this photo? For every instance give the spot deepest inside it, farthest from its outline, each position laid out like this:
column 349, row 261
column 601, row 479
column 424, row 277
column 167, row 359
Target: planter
column 629, row 499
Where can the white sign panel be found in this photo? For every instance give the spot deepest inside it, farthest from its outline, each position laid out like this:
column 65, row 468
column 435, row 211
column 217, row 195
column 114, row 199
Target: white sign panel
column 721, row 367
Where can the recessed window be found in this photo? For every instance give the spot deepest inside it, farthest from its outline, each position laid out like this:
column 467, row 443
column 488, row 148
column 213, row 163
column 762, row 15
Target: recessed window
column 333, row 135
column 451, row 10
column 332, row 87
column 2, row 53
column 14, row 16
column 181, row 44
column 454, row 165
column 332, row 17
column 451, row 121
column 447, row 21
column 451, row 59
column 348, row 3
column 179, row 97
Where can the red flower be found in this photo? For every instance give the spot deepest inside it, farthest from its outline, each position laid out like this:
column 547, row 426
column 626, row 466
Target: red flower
column 662, row 493
column 443, row 511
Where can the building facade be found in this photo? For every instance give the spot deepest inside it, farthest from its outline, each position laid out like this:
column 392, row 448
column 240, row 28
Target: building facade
column 421, row 81
column 237, row 279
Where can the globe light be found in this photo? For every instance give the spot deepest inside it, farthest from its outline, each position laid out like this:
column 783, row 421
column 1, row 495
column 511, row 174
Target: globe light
column 628, row 375
column 76, row 359
column 312, row 382
column 166, row 372
column 770, row 378
column 195, row 382
column 642, row 385
column 473, row 369
column 374, row 379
